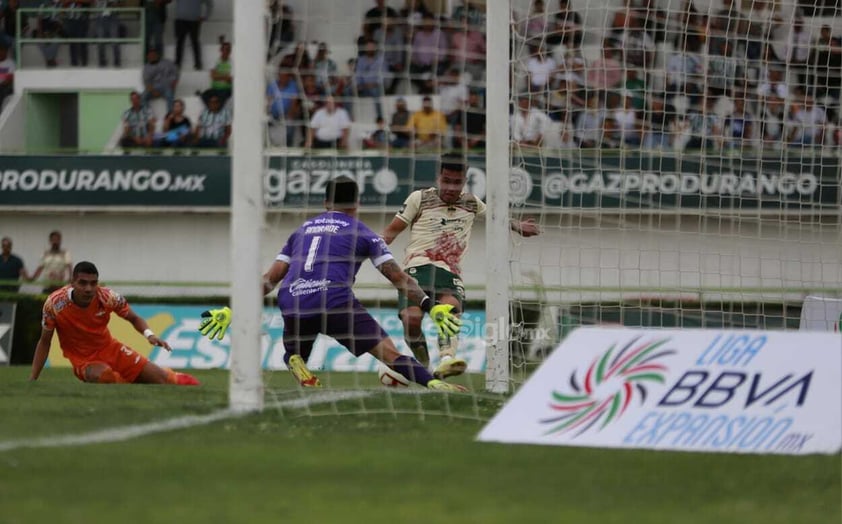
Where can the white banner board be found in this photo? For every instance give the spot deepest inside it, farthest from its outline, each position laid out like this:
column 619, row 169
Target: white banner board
column 689, row 390
column 821, row 314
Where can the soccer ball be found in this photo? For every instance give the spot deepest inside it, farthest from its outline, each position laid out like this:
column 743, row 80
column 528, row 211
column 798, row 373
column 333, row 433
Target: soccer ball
column 391, row 379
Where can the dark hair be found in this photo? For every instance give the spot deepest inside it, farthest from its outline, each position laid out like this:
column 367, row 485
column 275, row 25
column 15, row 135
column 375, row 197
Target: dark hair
column 342, row 190
column 85, row 267
column 453, row 162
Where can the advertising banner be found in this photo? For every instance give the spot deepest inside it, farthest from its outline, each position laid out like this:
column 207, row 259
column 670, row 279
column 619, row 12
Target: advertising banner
column 689, row 390
column 7, row 327
column 149, row 181
column 821, row 314
column 576, row 180
column 178, row 325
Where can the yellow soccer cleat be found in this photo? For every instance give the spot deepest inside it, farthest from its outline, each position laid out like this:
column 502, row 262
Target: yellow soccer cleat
column 441, row 385
column 449, row 367
column 299, row 370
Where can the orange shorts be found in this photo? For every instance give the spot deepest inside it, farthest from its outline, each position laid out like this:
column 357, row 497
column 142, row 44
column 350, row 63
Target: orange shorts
column 122, row 359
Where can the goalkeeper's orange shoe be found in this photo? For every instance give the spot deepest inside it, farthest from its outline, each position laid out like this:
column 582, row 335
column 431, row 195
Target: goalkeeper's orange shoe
column 299, row 370
column 183, row 379
column 441, row 385
column 449, row 367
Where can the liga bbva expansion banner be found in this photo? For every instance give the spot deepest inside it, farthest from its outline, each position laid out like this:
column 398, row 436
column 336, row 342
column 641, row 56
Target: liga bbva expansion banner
column 688, row 390
column 178, row 325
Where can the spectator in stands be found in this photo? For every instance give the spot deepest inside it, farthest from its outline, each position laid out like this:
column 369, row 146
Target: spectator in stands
column 391, row 39
column 329, row 127
column 428, row 125
column 414, row 12
column 138, row 124
column 471, row 12
column 375, row 18
column 11, row 267
column 654, row 20
column 312, row 97
column 606, row 72
column 566, row 27
column 467, row 50
column 739, row 125
column 76, row 24
column 537, row 23
column 283, row 30
column 453, row 94
column 659, row 117
column 429, row 55
column 400, row 126
column 214, row 126
column 806, row 122
column 221, row 80
column 685, row 69
column 590, row 127
column 299, row 59
column 774, row 84
column 636, row 88
column 628, row 129
column 7, row 74
column 107, row 25
column 826, row 61
column 564, row 102
column 324, row 70
column 177, row 129
column 727, row 22
column 379, row 138
column 638, row 48
column 701, row 128
column 370, row 75
column 155, row 16
column 540, row 68
column 529, row 124
column 189, row 16
column 55, row 265
column 9, row 28
column 284, row 103
column 160, row 76
column 772, row 119
column 469, row 129
column 49, row 26
column 722, row 70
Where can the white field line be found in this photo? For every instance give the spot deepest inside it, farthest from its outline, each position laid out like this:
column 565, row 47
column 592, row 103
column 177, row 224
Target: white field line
column 124, row 433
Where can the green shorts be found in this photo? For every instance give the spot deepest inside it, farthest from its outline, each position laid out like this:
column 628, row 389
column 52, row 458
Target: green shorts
column 434, row 281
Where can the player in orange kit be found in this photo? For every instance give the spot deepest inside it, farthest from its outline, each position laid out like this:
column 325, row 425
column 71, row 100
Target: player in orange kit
column 80, row 312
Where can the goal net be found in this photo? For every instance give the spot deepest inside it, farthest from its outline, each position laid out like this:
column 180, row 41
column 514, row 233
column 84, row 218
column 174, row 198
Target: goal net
column 680, row 158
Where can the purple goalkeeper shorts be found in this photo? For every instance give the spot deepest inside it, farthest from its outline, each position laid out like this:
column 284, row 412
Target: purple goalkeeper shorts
column 353, row 327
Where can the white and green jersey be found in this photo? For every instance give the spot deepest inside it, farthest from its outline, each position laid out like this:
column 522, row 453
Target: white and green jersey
column 439, row 231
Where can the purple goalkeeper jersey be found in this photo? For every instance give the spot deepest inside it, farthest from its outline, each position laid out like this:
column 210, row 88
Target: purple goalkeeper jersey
column 324, row 256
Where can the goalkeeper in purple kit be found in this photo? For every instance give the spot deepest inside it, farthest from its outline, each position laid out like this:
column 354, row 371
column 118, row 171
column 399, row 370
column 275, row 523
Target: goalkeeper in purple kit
column 316, row 269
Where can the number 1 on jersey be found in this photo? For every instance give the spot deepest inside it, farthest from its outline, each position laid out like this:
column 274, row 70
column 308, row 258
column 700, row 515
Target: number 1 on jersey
column 311, row 253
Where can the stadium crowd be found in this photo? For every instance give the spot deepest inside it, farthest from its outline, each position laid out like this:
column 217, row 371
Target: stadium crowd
column 744, row 74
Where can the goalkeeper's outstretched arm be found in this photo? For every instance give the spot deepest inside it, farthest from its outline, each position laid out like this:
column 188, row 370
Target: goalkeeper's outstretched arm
column 446, row 321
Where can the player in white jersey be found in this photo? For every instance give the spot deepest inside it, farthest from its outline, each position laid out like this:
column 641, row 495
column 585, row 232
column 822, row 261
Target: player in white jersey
column 440, row 219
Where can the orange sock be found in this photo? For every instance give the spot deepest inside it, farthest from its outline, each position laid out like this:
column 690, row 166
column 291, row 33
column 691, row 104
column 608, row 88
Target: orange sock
column 172, row 376
column 109, row 376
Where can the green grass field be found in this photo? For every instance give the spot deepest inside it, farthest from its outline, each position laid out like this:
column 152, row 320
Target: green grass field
column 350, row 461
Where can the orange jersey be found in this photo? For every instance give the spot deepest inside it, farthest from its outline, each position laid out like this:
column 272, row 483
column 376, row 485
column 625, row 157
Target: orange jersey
column 82, row 332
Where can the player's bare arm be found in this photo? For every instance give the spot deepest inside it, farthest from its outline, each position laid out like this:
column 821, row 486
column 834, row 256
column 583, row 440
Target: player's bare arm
column 402, row 282
column 42, row 351
column 525, row 228
column 394, row 229
column 277, row 271
column 142, row 327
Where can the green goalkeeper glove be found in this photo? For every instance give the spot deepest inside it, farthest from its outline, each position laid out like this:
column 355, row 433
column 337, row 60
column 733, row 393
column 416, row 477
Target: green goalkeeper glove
column 446, row 322
column 215, row 322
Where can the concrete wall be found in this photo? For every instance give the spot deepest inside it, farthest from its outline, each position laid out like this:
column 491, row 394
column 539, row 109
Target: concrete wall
column 668, row 255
